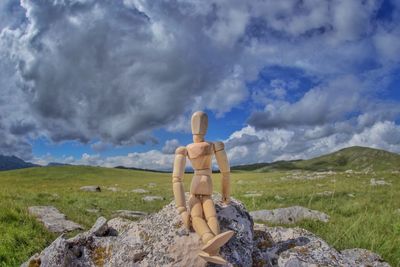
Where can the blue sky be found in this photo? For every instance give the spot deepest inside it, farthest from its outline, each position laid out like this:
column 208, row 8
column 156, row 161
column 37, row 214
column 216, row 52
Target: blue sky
column 115, row 82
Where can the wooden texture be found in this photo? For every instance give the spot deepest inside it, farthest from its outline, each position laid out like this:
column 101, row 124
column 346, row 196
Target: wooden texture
column 199, row 123
column 223, row 164
column 217, row 242
column 177, row 184
column 202, row 209
column 212, row 258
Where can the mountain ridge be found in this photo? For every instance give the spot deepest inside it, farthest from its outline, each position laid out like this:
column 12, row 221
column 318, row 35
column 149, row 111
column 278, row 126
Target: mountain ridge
column 355, row 158
column 13, row 163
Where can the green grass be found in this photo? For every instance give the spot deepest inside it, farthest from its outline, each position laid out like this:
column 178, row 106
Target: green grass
column 368, row 220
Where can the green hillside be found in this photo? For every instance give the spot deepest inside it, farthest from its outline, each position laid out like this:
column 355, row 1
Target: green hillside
column 352, row 158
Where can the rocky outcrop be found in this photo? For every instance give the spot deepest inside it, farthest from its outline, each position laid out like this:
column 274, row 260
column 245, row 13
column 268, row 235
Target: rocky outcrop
column 53, row 219
column 161, row 240
column 279, row 246
column 288, row 215
column 363, row 257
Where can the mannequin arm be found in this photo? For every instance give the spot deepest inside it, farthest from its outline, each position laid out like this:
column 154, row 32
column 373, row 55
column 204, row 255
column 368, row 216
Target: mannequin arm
column 177, row 184
column 223, row 164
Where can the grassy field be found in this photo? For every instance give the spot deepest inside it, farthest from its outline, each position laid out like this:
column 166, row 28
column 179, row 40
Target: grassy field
column 361, row 215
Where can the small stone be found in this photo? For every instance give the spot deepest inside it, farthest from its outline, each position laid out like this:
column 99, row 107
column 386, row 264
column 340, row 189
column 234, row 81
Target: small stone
column 350, row 195
column 139, row 256
column 35, row 261
column 278, row 197
column 113, row 189
column 363, row 257
column 100, row 227
column 140, row 191
column 91, row 188
column 288, row 215
column 151, row 184
column 131, row 214
column 53, row 219
column 374, row 182
column 152, row 198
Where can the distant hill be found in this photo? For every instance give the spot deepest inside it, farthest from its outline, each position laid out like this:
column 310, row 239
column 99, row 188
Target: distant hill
column 138, row 169
column 352, row 158
column 53, row 164
column 13, row 162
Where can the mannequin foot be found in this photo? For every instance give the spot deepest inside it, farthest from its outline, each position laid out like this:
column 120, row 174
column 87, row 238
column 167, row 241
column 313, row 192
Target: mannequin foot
column 217, row 242
column 217, row 259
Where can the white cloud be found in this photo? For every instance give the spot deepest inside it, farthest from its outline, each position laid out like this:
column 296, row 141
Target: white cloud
column 170, row 146
column 249, row 145
column 318, row 106
column 308, row 142
column 114, row 71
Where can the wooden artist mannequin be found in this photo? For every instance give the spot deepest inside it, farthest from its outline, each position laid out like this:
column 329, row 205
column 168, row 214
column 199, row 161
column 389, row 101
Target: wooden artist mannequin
column 202, row 215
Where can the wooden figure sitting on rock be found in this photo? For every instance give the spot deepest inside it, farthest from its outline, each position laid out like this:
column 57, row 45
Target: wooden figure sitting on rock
column 202, row 215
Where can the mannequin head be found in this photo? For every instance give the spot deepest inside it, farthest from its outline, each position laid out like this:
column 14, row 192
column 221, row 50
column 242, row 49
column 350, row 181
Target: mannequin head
column 199, row 126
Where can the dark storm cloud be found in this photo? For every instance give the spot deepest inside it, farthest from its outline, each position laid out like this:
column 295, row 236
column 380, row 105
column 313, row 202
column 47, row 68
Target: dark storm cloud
column 110, row 71
column 113, row 71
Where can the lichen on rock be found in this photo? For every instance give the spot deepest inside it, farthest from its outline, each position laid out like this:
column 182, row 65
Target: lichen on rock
column 161, row 240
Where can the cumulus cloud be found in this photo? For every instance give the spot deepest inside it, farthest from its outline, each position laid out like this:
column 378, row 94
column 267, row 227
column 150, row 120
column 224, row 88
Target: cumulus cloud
column 318, row 106
column 249, row 145
column 112, row 72
column 107, row 70
column 153, row 160
column 308, row 142
column 170, row 146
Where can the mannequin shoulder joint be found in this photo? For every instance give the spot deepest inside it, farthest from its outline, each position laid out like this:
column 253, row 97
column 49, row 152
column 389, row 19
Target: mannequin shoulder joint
column 218, row 146
column 181, row 150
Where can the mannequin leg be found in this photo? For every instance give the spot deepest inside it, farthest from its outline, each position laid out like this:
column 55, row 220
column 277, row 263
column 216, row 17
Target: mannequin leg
column 198, row 222
column 210, row 214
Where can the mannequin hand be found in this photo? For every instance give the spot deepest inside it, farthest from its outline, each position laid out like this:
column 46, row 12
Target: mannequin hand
column 186, row 219
column 226, row 200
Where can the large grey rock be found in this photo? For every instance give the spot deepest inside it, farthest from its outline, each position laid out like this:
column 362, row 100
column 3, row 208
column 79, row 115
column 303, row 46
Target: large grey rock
column 287, row 247
column 157, row 240
column 161, row 240
column 53, row 219
column 91, row 188
column 363, row 257
column 288, row 215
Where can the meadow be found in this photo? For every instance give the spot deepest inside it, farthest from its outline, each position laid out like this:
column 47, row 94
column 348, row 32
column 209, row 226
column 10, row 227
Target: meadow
column 361, row 215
